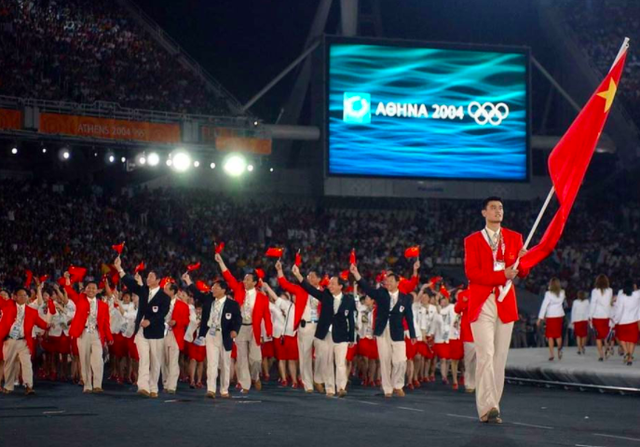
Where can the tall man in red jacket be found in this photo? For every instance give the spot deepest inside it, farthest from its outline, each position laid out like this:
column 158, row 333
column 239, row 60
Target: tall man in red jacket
column 254, row 307
column 92, row 328
column 176, row 323
column 489, row 256
column 16, row 329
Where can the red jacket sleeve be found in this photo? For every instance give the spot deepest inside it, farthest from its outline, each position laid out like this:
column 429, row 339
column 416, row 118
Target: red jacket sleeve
column 181, row 315
column 409, row 285
column 473, row 269
column 229, row 278
column 73, row 295
column 522, row 273
column 288, row 287
column 38, row 320
column 461, row 306
column 266, row 315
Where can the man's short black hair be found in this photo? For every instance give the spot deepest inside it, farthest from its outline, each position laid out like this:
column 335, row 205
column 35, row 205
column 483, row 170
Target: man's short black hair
column 222, row 284
column 91, row 282
column 486, row 201
column 393, row 275
column 15, row 292
column 174, row 287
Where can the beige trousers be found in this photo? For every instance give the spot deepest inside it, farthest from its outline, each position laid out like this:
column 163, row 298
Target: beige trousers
column 492, row 340
column 335, row 365
column 17, row 351
column 469, row 365
column 171, row 363
column 151, row 353
column 305, row 352
column 91, row 362
column 393, row 361
column 217, row 358
column 249, row 359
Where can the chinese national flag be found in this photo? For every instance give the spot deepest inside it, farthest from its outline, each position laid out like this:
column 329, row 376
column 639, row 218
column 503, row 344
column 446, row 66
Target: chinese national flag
column 202, row 286
column 118, row 248
column 274, row 252
column 570, row 158
column 77, row 274
column 352, row 257
column 298, row 260
column 192, row 267
column 412, row 252
column 219, row 248
column 28, row 279
column 140, row 267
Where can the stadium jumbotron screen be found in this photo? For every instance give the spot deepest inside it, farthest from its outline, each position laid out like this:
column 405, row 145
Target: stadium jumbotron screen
column 434, row 112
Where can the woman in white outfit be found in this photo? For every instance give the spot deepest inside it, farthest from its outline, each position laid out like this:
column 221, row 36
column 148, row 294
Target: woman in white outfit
column 580, row 320
column 600, row 312
column 626, row 316
column 552, row 311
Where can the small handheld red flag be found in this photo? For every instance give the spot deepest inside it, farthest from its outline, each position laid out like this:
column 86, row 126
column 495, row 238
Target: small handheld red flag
column 43, row 278
column 433, row 281
column 352, row 256
column 166, row 280
column 324, row 282
column 298, row 261
column 118, row 248
column 202, row 286
column 77, row 273
column 412, row 252
column 140, row 267
column 219, row 247
column 444, row 291
column 260, row 273
column 28, row 279
column 192, row 267
column 381, row 276
column 51, row 307
column 115, row 276
column 274, row 252
column 344, row 275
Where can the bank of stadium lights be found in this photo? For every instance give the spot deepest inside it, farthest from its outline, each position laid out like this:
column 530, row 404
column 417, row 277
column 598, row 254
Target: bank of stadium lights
column 181, row 161
column 111, row 158
column 250, row 168
column 14, row 150
column 212, row 165
column 235, row 165
column 196, row 164
column 123, row 159
column 153, row 159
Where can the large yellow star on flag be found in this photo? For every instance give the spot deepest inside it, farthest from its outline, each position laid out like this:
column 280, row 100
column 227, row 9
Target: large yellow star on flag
column 608, row 95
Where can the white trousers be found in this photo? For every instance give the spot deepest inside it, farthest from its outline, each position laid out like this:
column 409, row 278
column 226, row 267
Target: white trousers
column 91, row 362
column 17, row 351
column 393, row 361
column 469, row 365
column 249, row 359
column 335, row 365
column 320, row 354
column 171, row 363
column 151, row 352
column 305, row 352
column 492, row 340
column 217, row 358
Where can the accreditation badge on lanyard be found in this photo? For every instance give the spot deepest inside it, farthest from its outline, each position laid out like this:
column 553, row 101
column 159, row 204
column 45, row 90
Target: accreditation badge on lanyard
column 497, row 250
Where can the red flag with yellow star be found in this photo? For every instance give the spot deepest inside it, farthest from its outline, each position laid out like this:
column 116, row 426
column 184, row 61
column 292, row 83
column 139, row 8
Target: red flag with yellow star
column 569, row 160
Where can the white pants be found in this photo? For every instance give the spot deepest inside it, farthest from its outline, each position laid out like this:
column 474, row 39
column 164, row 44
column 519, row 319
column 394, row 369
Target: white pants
column 17, row 351
column 469, row 365
column 91, row 362
column 248, row 362
column 305, row 350
column 320, row 353
column 335, row 365
column 151, row 353
column 393, row 361
column 217, row 358
column 171, row 363
column 492, row 340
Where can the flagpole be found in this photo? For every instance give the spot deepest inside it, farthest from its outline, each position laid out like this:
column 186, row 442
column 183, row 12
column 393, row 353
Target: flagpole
column 505, row 289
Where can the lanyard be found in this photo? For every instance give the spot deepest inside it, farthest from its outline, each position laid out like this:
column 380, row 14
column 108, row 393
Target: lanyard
column 497, row 247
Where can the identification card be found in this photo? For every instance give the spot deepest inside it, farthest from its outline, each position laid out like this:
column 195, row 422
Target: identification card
column 498, row 266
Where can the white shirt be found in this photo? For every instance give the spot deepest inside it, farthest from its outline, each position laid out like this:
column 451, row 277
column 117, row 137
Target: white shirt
column 418, row 314
column 277, row 320
column 394, row 299
column 444, row 324
column 600, row 306
column 552, row 305
column 215, row 317
column 190, row 333
column 337, row 300
column 129, row 323
column 627, row 308
column 17, row 328
column 494, row 235
column 428, row 323
column 61, row 319
column 579, row 311
column 288, row 309
column 311, row 310
column 152, row 292
column 92, row 320
column 247, row 306
column 365, row 329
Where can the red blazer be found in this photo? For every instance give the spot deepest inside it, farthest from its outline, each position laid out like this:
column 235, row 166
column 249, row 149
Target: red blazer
column 478, row 266
column 302, row 298
column 462, row 308
column 260, row 309
column 181, row 316
column 31, row 318
column 82, row 314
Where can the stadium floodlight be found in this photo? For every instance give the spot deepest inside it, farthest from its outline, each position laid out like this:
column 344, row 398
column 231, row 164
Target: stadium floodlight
column 250, row 168
column 235, row 165
column 14, row 150
column 271, row 170
column 66, row 155
column 123, row 159
column 44, row 150
column 169, row 162
column 212, row 165
column 112, row 158
column 142, row 160
column 181, row 161
column 153, row 159
column 196, row 164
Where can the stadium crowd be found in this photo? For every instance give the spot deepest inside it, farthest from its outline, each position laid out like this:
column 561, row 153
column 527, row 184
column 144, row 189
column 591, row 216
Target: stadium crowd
column 86, row 51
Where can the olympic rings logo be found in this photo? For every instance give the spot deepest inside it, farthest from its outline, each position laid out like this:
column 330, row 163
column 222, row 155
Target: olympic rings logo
column 488, row 112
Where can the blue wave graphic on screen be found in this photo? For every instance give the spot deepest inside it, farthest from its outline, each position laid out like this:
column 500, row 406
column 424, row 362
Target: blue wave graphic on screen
column 427, row 147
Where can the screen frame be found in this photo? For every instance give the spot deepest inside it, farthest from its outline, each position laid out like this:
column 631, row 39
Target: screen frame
column 329, row 40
